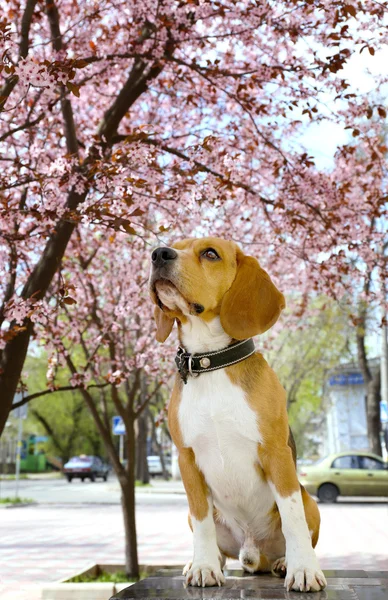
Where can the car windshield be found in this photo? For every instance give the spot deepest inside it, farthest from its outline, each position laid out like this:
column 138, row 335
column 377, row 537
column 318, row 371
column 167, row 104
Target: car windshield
column 78, row 459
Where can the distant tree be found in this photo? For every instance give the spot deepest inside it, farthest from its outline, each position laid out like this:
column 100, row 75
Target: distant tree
column 62, row 416
column 365, row 320
column 302, row 352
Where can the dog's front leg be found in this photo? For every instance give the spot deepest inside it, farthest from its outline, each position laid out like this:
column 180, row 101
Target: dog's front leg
column 205, row 569
column 303, row 571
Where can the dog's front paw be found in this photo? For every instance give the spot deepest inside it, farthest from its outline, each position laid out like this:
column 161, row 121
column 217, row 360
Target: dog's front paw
column 203, row 574
column 187, row 567
column 307, row 578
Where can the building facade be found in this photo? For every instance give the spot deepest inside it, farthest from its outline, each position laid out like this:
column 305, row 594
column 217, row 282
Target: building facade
column 346, row 421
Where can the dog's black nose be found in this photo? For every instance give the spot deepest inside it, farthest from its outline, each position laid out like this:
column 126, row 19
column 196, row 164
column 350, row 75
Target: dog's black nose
column 162, row 255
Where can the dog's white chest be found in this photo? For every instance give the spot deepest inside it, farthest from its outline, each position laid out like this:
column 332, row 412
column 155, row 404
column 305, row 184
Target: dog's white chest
column 217, row 422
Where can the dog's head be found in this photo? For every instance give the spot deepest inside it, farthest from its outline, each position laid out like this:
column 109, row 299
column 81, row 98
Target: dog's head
column 209, row 277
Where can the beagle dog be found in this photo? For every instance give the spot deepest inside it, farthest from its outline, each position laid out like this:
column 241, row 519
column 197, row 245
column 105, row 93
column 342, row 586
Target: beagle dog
column 229, row 423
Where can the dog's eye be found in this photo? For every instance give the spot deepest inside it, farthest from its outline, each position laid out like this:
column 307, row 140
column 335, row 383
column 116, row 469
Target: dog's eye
column 210, row 254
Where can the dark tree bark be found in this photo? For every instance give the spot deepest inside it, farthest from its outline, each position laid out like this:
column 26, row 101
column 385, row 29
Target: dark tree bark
column 127, row 483
column 142, row 473
column 158, row 447
column 372, row 382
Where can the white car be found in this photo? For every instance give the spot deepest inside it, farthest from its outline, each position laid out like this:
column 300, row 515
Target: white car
column 154, row 465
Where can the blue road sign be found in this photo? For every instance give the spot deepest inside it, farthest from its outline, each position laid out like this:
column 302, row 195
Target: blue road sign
column 346, row 379
column 118, row 427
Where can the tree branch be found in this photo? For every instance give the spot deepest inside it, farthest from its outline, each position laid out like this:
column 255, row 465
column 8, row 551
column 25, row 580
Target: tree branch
column 147, row 400
column 65, row 388
column 136, row 84
column 201, row 167
column 23, row 51
column 67, row 110
column 48, row 429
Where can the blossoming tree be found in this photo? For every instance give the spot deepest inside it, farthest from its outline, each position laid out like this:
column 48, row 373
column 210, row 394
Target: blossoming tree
column 166, row 116
column 100, row 338
column 149, row 116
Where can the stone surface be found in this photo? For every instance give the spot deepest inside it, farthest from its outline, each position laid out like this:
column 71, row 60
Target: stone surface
column 342, row 585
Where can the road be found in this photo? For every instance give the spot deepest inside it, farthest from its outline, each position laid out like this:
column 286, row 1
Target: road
column 77, row 524
column 54, row 491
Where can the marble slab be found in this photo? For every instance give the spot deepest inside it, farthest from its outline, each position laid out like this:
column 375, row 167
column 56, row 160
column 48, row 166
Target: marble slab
column 342, row 585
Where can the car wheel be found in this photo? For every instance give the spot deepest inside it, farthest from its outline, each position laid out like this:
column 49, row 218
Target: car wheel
column 69, row 478
column 105, row 478
column 92, row 477
column 82, row 479
column 328, row 492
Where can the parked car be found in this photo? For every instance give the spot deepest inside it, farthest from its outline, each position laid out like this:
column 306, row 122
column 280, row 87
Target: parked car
column 346, row 474
column 154, row 465
column 86, row 467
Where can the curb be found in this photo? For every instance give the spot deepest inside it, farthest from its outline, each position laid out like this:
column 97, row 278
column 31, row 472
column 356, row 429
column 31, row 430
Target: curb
column 18, row 505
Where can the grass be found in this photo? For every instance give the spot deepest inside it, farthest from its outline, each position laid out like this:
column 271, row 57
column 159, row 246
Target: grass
column 12, row 477
column 104, row 577
column 16, row 500
column 141, row 484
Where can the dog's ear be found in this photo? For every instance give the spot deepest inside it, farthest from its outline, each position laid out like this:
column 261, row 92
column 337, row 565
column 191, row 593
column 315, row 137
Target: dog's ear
column 253, row 303
column 164, row 324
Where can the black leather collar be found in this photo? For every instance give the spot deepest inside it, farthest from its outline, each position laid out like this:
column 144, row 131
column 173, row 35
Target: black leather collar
column 195, row 364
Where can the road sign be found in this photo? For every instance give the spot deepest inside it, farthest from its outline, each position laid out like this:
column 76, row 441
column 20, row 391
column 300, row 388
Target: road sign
column 346, row 379
column 118, row 427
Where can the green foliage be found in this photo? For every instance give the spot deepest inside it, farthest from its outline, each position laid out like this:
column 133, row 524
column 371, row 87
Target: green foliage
column 16, row 500
column 104, row 577
column 302, row 357
column 62, row 416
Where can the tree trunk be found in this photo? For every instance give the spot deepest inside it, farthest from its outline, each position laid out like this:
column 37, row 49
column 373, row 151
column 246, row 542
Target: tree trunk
column 158, row 446
column 142, row 473
column 372, row 382
column 127, row 483
column 373, row 414
column 14, row 353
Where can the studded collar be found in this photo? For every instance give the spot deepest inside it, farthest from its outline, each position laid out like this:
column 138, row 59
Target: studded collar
column 195, row 364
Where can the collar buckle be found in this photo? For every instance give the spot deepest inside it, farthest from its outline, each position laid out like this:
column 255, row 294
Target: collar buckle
column 181, row 361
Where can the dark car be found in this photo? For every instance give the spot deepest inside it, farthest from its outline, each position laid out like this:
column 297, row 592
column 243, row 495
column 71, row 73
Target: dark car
column 86, row 467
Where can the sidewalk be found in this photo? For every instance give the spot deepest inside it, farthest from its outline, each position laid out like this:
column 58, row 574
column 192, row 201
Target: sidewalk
column 160, row 486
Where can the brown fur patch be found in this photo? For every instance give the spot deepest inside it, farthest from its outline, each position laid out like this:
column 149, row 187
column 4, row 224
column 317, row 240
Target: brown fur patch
column 193, row 479
column 195, row 484
column 274, row 515
column 253, row 303
column 313, row 517
column 267, row 399
column 173, row 407
column 265, row 565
